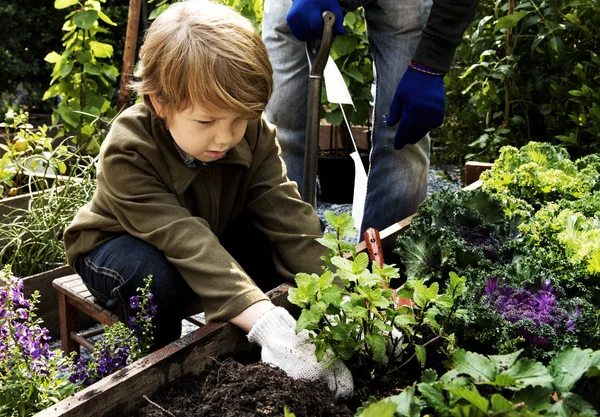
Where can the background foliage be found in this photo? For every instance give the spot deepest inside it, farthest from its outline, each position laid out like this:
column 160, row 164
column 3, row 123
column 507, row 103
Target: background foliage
column 527, row 70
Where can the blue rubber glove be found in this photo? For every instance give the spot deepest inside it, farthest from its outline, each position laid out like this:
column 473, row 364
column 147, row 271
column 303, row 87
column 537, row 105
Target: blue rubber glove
column 306, row 22
column 418, row 104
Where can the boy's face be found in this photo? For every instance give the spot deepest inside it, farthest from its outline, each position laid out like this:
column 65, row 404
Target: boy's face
column 205, row 134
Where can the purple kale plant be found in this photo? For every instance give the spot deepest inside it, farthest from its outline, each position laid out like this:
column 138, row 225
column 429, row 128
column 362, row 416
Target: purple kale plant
column 121, row 344
column 27, row 365
column 535, row 313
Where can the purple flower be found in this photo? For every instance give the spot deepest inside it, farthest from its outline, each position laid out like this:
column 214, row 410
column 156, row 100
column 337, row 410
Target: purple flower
column 134, row 301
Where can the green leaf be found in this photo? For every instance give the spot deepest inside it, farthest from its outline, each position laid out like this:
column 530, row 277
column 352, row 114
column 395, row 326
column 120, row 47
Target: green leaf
column 568, row 366
column 105, row 18
column 110, row 72
column 91, row 69
column 307, row 287
column 63, row 4
column 472, row 397
column 421, row 354
column 504, row 380
column 444, row 301
column 53, row 91
column 510, row 20
column 101, row 50
column 353, row 72
column 52, row 57
column 457, row 285
column 383, row 408
column 433, row 397
column 428, row 376
column 405, row 405
column 332, row 295
column 594, row 365
column 501, row 405
column 377, row 344
column 529, row 372
column 477, row 366
column 505, row 361
column 536, row 398
column 360, row 263
column 404, row 320
column 309, row 319
column 85, row 19
column 66, row 69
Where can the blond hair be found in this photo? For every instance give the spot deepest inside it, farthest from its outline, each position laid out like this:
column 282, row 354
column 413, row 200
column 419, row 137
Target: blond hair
column 199, row 52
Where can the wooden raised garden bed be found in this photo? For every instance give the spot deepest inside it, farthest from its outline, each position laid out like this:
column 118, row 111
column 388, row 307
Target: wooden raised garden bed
column 123, row 392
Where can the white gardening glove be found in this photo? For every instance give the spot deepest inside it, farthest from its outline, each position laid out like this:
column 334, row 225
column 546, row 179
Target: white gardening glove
column 275, row 332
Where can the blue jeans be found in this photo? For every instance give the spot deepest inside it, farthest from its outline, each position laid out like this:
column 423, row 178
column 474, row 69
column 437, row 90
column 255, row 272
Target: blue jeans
column 397, row 180
column 114, row 270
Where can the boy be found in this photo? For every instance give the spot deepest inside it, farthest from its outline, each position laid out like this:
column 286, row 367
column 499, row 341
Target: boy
column 180, row 175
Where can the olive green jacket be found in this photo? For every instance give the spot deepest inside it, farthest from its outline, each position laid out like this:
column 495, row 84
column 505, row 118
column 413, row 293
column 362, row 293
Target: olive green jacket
column 146, row 190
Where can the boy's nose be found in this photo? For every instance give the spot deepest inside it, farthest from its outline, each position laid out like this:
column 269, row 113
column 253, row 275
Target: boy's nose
column 224, row 137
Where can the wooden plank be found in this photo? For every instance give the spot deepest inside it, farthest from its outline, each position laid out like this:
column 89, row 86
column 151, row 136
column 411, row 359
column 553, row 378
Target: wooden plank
column 473, row 170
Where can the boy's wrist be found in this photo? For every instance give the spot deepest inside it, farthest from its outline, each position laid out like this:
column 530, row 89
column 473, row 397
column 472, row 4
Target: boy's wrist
column 247, row 318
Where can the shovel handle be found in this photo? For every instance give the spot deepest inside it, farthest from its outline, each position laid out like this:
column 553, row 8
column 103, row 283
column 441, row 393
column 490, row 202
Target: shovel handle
column 373, row 244
column 318, row 54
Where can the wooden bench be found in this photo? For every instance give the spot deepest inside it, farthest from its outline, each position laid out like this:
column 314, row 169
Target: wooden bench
column 74, row 297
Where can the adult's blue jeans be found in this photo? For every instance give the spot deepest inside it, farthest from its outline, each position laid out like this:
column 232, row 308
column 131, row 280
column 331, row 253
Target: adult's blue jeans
column 114, row 270
column 397, row 180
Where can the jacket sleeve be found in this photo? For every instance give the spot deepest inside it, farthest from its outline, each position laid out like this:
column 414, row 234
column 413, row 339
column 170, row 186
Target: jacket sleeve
column 148, row 210
column 291, row 224
column 445, row 27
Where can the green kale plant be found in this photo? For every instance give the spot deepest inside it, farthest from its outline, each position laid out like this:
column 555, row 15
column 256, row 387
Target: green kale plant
column 351, row 310
column 539, row 172
column 455, row 231
column 81, row 76
column 501, row 385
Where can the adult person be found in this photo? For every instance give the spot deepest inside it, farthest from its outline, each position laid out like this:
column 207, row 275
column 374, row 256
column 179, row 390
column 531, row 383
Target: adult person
column 413, row 43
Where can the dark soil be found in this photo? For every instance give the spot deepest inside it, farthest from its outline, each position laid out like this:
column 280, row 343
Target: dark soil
column 235, row 390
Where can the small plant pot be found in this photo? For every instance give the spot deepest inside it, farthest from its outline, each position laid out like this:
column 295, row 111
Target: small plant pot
column 336, row 177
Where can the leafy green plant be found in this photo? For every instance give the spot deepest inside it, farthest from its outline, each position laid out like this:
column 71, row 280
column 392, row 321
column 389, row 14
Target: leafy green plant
column 31, row 239
column 353, row 57
column 352, row 311
column 81, row 77
column 29, row 158
column 501, row 385
column 525, row 72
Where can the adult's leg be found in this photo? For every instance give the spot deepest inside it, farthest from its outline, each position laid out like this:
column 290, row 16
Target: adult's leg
column 114, row 271
column 287, row 107
column 397, row 180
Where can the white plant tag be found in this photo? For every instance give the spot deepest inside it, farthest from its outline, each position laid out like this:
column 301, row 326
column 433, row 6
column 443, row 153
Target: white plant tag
column 337, row 92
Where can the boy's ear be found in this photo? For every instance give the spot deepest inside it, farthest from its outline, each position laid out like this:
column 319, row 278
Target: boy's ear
column 158, row 107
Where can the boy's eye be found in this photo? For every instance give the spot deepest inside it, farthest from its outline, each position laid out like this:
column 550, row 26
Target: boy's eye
column 205, row 122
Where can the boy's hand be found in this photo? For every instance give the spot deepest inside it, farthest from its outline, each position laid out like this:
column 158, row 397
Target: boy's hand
column 306, row 22
column 275, row 332
column 418, row 104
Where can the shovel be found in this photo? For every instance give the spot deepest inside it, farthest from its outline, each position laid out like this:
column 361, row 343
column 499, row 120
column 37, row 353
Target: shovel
column 317, row 59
